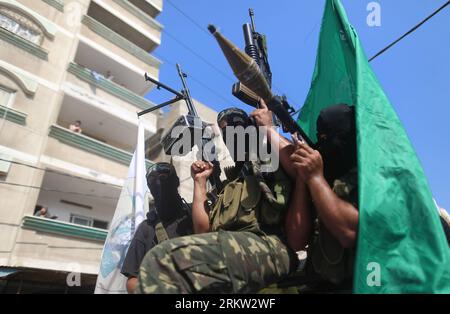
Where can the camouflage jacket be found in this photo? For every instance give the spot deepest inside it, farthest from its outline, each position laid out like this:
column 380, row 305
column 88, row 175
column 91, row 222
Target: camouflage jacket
column 253, row 203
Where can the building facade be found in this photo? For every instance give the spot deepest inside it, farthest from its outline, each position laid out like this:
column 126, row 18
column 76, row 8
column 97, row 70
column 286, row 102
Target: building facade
column 71, row 83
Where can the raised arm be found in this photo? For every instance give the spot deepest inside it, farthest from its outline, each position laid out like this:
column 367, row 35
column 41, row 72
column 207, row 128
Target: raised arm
column 338, row 216
column 200, row 172
column 263, row 117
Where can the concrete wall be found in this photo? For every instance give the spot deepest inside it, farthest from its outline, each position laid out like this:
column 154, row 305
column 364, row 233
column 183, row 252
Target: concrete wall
column 30, row 143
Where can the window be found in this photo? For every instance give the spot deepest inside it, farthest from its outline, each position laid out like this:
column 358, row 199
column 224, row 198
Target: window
column 88, row 222
column 80, row 220
column 20, row 25
column 6, row 97
column 100, row 224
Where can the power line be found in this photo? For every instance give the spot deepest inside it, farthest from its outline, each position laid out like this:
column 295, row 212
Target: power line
column 402, row 37
column 200, row 57
column 410, row 31
column 58, row 191
column 192, row 20
column 60, row 173
column 200, row 27
column 198, row 81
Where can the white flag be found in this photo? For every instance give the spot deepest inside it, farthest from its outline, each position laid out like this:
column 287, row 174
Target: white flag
column 130, row 212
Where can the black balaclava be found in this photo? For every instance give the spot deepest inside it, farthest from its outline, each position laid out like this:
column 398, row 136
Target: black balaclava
column 235, row 117
column 336, row 135
column 163, row 183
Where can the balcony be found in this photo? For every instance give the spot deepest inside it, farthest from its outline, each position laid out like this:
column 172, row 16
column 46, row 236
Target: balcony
column 82, row 211
column 98, row 33
column 151, row 7
column 109, row 130
column 64, row 228
column 23, row 44
column 123, row 71
column 13, row 115
column 81, row 208
column 57, row 4
column 96, row 80
column 124, row 23
column 135, row 8
column 107, row 141
column 91, row 145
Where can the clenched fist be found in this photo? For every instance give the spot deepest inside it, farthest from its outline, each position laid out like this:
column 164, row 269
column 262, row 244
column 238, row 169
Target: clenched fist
column 201, row 170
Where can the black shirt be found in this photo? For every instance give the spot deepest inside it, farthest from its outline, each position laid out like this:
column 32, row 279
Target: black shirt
column 145, row 239
column 446, row 229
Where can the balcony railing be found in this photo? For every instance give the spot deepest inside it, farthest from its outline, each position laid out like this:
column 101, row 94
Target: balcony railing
column 120, row 41
column 57, row 4
column 157, row 4
column 23, row 44
column 96, row 80
column 91, row 145
column 127, row 5
column 13, row 115
column 64, row 228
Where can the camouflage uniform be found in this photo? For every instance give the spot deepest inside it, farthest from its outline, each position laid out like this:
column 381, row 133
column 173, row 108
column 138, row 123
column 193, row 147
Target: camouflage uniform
column 216, row 262
column 226, row 261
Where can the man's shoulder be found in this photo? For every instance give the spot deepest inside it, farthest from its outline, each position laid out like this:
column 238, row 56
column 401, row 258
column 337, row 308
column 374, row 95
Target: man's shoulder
column 145, row 230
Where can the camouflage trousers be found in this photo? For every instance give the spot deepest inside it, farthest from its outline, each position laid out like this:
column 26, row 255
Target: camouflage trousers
column 217, row 262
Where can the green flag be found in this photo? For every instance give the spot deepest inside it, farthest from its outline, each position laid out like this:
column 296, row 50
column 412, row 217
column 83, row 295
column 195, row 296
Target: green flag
column 400, row 239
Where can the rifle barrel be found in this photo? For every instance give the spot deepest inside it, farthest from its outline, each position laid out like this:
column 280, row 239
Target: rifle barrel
column 252, row 19
column 169, row 102
column 159, row 84
column 187, row 93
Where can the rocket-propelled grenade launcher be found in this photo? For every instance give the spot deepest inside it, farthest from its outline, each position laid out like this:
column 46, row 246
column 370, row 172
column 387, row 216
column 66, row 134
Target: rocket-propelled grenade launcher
column 249, row 74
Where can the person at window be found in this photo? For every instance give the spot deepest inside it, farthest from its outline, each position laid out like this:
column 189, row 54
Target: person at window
column 109, row 76
column 43, row 212
column 76, row 127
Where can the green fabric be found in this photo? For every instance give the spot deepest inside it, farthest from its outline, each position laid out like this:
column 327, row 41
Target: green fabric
column 398, row 224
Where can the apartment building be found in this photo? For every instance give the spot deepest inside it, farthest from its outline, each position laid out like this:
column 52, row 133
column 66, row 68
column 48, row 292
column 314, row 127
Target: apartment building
column 63, row 61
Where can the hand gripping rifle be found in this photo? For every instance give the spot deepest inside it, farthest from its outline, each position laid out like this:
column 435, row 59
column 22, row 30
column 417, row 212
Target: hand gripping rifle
column 191, row 123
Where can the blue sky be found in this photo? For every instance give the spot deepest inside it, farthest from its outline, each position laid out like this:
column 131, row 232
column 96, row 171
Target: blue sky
column 415, row 73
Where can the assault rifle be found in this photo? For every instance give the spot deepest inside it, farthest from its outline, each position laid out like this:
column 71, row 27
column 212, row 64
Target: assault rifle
column 191, row 124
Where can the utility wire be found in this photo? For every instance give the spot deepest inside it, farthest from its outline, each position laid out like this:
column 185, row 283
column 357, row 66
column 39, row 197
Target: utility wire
column 410, row 31
column 58, row 191
column 401, row 38
column 200, row 27
column 200, row 57
column 198, row 81
column 192, row 20
column 60, row 173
